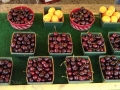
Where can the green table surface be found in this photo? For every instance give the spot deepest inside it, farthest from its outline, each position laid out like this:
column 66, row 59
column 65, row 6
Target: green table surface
column 19, row 63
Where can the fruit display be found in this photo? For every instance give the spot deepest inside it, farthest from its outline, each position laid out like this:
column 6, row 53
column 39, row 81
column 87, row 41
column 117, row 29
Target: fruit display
column 110, row 67
column 60, row 43
column 79, row 68
column 81, row 19
column 6, row 65
column 53, row 15
column 21, row 18
column 93, row 42
column 109, row 14
column 23, row 43
column 40, row 69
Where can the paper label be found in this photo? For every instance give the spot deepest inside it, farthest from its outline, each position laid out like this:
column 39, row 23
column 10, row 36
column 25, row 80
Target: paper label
column 48, row 0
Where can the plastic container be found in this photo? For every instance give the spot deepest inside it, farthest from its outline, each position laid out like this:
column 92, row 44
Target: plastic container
column 22, row 26
column 53, row 25
column 78, row 26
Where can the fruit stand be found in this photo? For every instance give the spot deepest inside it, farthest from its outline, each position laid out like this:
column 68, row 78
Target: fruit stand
column 18, row 82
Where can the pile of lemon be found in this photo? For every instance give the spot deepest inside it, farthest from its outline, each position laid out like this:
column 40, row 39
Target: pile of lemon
column 53, row 15
column 109, row 14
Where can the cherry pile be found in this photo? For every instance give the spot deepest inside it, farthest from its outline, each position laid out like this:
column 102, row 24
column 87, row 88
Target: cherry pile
column 82, row 16
column 60, row 43
column 5, row 70
column 115, row 41
column 23, row 43
column 110, row 67
column 78, row 69
column 40, row 70
column 93, row 43
column 20, row 15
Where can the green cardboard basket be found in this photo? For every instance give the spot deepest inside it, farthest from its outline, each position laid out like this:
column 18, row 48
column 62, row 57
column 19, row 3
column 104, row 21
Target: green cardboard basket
column 38, row 83
column 103, row 79
column 59, row 54
column 92, row 53
column 9, row 59
column 51, row 25
column 111, row 47
column 77, row 82
column 23, row 54
column 108, row 24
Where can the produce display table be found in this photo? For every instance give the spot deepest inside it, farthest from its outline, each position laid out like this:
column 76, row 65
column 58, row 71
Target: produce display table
column 38, row 27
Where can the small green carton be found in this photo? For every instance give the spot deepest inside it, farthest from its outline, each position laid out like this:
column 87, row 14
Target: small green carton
column 92, row 53
column 114, row 52
column 22, row 54
column 59, row 54
column 108, row 24
column 39, row 83
column 8, row 59
column 52, row 25
column 91, row 70
column 103, row 78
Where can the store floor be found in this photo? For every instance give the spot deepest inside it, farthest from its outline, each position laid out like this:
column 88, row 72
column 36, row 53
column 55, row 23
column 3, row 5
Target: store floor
column 64, row 2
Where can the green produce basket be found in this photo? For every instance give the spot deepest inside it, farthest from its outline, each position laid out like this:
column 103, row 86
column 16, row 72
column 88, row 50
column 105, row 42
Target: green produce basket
column 23, row 54
column 51, row 25
column 34, row 83
column 93, row 53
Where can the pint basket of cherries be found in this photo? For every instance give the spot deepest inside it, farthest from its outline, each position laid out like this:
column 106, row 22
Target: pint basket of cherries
column 110, row 68
column 21, row 17
column 23, row 44
column 60, row 44
column 114, row 40
column 6, row 68
column 81, row 19
column 93, row 44
column 40, row 70
column 79, row 69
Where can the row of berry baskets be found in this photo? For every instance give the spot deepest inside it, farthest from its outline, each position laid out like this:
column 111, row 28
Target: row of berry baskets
column 81, row 19
column 40, row 69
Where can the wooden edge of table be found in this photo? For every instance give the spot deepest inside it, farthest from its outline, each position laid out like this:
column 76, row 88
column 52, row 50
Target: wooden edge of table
column 66, row 8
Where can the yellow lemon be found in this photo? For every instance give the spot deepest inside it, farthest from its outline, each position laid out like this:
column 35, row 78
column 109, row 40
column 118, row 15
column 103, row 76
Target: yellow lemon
column 109, row 13
column 55, row 18
column 117, row 14
column 113, row 19
column 112, row 8
column 106, row 19
column 51, row 10
column 59, row 13
column 51, row 14
column 47, row 18
column 102, row 9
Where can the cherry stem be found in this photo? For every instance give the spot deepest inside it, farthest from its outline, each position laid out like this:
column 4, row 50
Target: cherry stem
column 62, row 63
column 55, row 28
